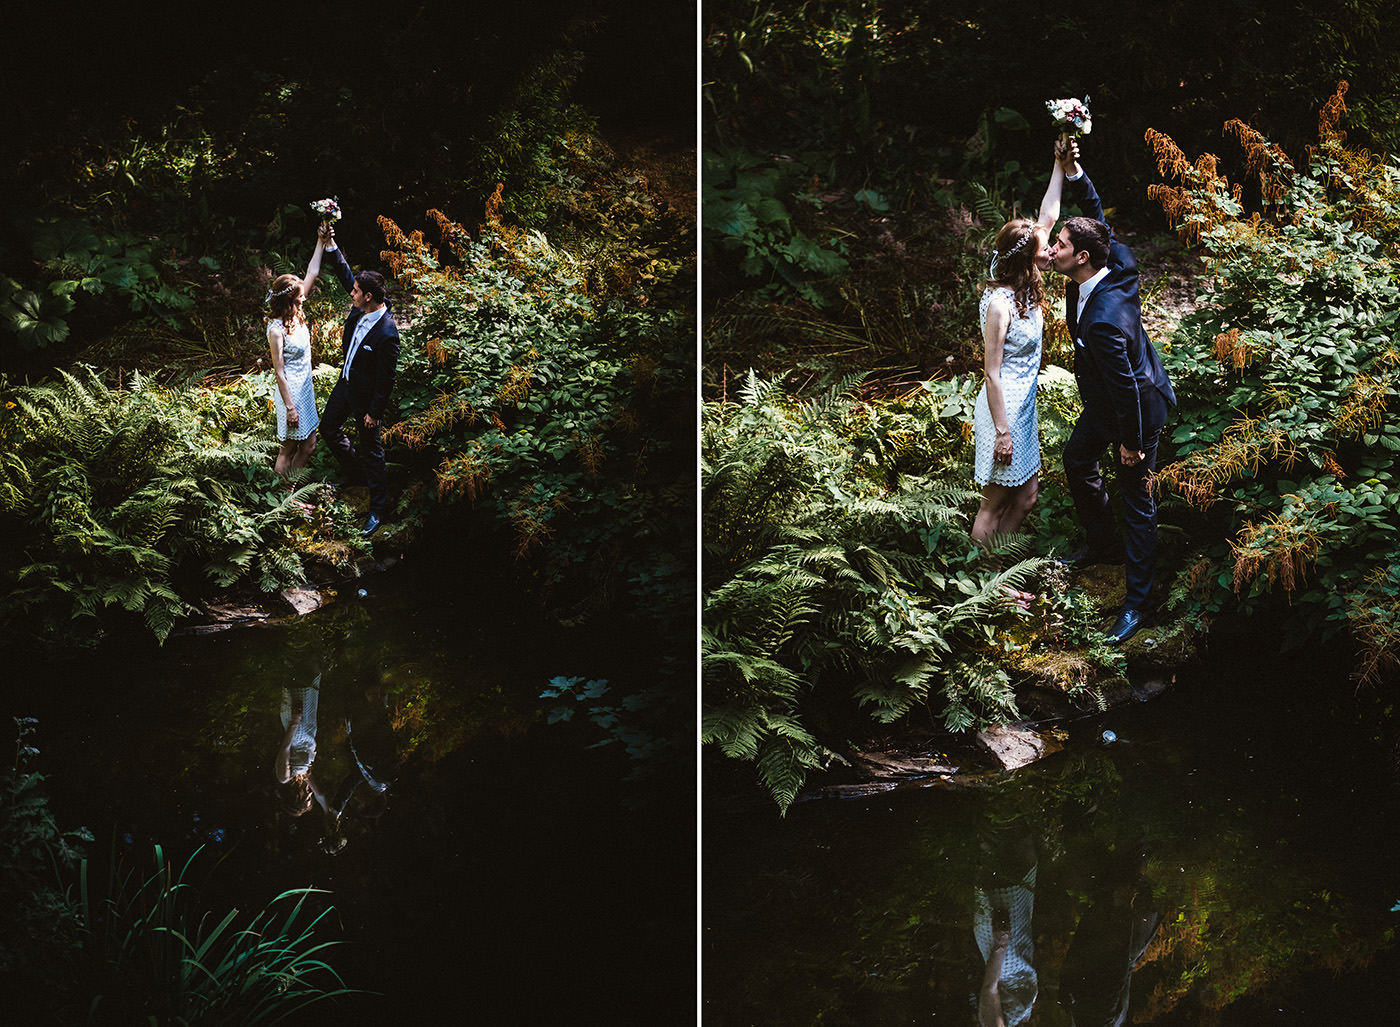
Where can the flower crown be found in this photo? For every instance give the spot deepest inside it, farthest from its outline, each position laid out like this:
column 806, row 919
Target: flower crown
column 998, row 257
column 280, row 292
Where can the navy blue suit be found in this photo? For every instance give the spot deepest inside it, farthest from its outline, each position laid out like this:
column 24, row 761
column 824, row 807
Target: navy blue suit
column 1126, row 396
column 371, row 379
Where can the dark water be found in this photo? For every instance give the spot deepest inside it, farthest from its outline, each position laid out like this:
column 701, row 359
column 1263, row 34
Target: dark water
column 1229, row 860
column 507, row 874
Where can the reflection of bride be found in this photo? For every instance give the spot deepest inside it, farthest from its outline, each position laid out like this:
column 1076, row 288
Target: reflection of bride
column 1002, row 927
column 295, row 758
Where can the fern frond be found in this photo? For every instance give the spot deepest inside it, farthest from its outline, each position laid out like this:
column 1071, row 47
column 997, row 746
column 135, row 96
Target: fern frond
column 783, row 763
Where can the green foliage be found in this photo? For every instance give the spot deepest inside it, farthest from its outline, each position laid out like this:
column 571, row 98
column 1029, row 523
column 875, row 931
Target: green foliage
column 1287, row 372
column 619, row 722
column 525, row 143
column 546, row 386
column 135, row 498
column 150, row 955
column 75, row 258
column 36, row 319
column 557, row 408
column 744, row 199
column 835, row 577
column 629, row 244
column 896, row 94
column 42, row 919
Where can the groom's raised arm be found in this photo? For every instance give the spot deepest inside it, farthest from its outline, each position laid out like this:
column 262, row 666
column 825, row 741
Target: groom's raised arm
column 1082, row 190
column 339, row 267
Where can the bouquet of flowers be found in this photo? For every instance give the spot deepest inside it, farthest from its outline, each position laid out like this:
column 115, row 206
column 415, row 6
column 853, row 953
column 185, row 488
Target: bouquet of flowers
column 328, row 209
column 1071, row 117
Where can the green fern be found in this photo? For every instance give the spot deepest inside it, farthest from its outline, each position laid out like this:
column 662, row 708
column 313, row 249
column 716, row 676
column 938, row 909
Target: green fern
column 828, row 570
column 128, row 501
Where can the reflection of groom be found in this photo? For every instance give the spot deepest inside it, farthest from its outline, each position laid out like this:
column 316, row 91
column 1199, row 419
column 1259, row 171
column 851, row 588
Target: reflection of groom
column 1125, row 393
column 370, row 348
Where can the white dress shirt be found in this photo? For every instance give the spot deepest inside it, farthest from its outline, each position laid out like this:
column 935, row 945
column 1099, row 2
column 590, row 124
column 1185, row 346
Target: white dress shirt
column 1087, row 287
column 1085, row 290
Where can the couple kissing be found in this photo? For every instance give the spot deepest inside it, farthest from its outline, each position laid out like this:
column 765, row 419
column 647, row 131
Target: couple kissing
column 1124, row 391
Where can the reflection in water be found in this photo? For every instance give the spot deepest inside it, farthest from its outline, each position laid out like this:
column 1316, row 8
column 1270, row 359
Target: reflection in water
column 413, row 716
column 296, row 758
column 1002, row 926
column 1111, row 937
column 348, row 693
column 1203, row 874
column 374, row 751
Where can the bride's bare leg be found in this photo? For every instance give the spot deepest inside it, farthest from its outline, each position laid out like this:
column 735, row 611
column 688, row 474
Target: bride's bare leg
column 996, row 500
column 285, row 456
column 1019, row 504
column 302, row 455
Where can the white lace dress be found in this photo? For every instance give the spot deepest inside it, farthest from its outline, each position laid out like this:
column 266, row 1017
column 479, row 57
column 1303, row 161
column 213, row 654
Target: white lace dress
column 296, row 362
column 1018, row 984
column 1020, row 369
column 303, row 701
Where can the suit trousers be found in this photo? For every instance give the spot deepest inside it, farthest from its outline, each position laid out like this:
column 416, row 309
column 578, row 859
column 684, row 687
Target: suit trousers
column 1083, row 452
column 368, row 463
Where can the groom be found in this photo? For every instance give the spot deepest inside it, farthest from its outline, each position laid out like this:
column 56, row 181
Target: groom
column 369, row 346
column 1125, row 393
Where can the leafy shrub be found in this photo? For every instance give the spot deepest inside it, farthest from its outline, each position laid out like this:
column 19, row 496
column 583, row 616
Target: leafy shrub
column 1285, row 477
column 833, row 574
column 744, row 199
column 552, row 407
column 139, row 497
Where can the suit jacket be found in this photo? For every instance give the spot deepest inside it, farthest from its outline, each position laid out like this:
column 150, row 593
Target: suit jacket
column 1125, row 390
column 376, row 361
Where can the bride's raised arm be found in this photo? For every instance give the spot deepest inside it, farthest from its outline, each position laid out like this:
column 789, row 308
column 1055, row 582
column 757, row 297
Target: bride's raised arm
column 313, row 268
column 1050, row 205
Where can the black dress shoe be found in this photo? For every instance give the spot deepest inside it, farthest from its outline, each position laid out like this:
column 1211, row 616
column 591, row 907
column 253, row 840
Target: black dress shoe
column 1086, row 556
column 1126, row 626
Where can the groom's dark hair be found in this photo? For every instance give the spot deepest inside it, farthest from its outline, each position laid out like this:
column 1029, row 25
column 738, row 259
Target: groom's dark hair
column 371, row 282
column 1087, row 234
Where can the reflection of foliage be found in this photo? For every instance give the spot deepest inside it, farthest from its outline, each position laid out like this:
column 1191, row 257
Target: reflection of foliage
column 616, row 720
column 837, row 921
column 42, row 919
column 434, row 712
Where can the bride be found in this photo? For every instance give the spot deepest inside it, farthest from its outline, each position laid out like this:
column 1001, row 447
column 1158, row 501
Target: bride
column 1005, row 431
column 289, row 340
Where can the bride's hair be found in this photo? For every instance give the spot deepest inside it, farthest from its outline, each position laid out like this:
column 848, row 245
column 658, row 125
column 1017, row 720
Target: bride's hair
column 1013, row 265
column 283, row 299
